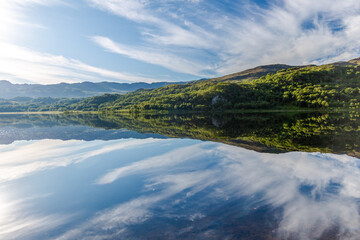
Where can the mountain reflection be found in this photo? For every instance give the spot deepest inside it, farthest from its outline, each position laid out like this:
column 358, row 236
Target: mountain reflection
column 174, row 189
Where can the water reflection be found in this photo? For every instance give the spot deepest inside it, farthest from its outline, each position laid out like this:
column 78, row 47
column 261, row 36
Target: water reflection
column 337, row 132
column 174, row 189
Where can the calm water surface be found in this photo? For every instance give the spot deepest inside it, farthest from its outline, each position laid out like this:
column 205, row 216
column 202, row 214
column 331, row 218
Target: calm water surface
column 86, row 177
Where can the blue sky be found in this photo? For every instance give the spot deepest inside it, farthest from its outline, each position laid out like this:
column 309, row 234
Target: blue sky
column 52, row 41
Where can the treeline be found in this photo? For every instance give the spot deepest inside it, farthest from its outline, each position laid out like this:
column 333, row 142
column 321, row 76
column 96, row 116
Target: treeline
column 27, row 104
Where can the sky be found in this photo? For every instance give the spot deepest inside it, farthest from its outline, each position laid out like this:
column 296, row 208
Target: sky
column 53, row 41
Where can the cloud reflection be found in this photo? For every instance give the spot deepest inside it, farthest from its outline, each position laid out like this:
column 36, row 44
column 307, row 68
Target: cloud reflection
column 19, row 221
column 279, row 178
column 313, row 192
column 26, row 158
column 166, row 160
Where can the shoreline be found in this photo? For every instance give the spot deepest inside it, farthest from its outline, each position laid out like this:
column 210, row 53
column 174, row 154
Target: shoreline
column 29, row 113
column 125, row 111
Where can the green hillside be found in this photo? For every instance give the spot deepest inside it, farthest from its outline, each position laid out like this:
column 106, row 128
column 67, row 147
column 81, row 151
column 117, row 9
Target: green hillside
column 333, row 85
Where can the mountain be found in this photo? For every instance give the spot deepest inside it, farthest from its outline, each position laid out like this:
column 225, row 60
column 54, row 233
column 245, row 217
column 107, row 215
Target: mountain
column 355, row 61
column 335, row 85
column 74, row 90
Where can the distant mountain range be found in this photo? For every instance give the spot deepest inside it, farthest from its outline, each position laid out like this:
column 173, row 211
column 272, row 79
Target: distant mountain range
column 9, row 90
column 16, row 92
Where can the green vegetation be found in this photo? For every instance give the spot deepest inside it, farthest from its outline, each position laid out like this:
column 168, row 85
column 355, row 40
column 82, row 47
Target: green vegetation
column 25, row 104
column 327, row 86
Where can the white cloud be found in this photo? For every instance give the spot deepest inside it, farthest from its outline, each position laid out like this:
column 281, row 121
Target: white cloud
column 12, row 16
column 152, row 56
column 19, row 64
column 292, row 32
column 279, row 35
column 169, row 33
column 166, row 34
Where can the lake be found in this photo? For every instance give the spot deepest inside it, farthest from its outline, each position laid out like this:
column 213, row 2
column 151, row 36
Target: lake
column 191, row 176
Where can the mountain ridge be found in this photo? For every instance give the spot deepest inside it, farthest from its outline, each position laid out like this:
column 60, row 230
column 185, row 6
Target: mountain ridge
column 251, row 73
